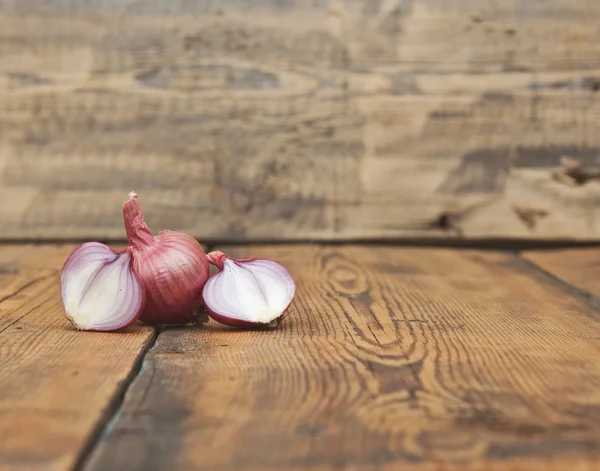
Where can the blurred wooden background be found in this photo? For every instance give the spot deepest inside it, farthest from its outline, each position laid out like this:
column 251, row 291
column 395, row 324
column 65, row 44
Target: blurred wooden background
column 300, row 119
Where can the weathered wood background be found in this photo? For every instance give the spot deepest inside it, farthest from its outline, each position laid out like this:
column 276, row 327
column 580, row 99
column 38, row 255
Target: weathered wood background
column 300, row 119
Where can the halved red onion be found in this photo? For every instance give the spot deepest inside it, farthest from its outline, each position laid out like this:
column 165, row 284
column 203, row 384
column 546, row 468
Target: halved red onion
column 99, row 288
column 248, row 292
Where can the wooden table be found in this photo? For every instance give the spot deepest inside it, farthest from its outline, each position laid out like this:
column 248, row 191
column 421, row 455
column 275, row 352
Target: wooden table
column 391, row 359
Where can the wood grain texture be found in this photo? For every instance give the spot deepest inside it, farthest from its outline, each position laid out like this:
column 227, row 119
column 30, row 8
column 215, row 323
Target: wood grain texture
column 578, row 267
column 300, row 119
column 56, row 384
column 391, row 359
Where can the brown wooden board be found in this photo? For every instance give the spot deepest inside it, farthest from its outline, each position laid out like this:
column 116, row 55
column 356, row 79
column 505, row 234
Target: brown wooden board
column 57, row 385
column 390, row 359
column 579, row 267
column 295, row 120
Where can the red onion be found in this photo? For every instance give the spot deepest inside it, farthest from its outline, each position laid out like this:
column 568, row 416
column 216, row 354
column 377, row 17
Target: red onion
column 172, row 267
column 249, row 292
column 99, row 289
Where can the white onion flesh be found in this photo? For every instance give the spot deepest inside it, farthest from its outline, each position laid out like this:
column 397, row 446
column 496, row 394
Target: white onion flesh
column 99, row 289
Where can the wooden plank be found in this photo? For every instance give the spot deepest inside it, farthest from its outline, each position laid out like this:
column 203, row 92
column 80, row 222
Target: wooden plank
column 303, row 119
column 57, row 385
column 579, row 267
column 391, row 358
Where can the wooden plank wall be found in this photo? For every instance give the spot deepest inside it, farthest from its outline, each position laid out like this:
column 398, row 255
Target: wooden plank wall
column 298, row 119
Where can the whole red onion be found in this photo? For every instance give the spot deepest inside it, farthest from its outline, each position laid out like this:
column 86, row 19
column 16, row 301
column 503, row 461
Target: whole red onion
column 171, row 266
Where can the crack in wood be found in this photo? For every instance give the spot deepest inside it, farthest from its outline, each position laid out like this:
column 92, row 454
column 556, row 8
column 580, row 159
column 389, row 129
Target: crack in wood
column 573, row 173
column 113, row 410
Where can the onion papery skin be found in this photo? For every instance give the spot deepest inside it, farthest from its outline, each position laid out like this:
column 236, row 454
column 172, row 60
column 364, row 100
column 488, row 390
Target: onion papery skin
column 99, row 289
column 171, row 266
column 173, row 271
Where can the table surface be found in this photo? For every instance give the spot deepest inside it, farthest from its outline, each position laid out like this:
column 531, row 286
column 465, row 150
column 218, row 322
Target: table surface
column 391, row 358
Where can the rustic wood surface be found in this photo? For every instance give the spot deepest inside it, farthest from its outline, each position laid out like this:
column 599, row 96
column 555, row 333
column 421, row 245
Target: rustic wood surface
column 579, row 267
column 301, row 119
column 57, row 385
column 391, row 359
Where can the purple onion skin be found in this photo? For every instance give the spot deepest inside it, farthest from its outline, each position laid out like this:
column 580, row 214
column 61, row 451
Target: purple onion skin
column 67, row 265
column 178, row 301
column 231, row 322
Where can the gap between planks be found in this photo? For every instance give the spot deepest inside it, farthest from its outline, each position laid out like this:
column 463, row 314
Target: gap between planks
column 470, row 243
column 575, row 289
column 112, row 411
